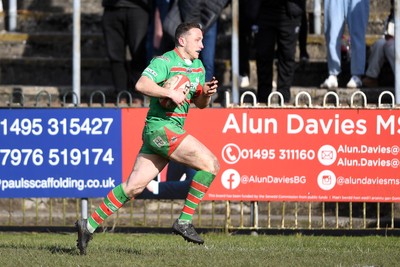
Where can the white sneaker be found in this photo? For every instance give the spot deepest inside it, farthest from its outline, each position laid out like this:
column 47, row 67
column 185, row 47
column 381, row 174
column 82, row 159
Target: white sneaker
column 355, row 82
column 244, row 81
column 330, row 82
column 152, row 186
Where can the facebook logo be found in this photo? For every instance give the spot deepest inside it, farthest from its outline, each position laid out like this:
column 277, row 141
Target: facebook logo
column 230, row 179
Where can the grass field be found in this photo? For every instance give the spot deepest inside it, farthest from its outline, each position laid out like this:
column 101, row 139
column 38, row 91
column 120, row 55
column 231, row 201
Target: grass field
column 110, row 249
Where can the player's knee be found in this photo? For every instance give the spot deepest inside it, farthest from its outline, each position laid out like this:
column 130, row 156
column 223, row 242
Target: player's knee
column 214, row 165
column 134, row 191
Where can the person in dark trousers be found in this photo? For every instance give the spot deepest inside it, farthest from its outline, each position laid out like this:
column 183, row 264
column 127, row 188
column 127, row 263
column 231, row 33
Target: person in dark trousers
column 206, row 13
column 245, row 41
column 382, row 50
column 303, row 34
column 278, row 24
column 125, row 24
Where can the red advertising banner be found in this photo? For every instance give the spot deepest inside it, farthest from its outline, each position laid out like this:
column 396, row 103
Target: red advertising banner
column 340, row 155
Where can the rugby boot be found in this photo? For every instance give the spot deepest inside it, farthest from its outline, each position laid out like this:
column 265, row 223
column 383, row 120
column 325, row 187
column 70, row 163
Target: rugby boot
column 84, row 236
column 187, row 231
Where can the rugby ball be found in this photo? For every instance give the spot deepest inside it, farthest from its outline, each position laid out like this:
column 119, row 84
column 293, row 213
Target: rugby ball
column 178, row 82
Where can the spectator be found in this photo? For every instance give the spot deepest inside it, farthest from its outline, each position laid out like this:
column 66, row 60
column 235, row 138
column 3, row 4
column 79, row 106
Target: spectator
column 207, row 55
column 355, row 13
column 248, row 13
column 278, row 24
column 205, row 12
column 155, row 33
column 246, row 21
column 303, row 34
column 125, row 24
column 383, row 49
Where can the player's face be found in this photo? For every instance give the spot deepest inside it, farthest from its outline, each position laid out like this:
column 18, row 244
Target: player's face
column 193, row 41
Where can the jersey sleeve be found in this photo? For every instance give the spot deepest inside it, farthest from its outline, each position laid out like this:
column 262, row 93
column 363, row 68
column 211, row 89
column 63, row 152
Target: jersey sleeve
column 158, row 69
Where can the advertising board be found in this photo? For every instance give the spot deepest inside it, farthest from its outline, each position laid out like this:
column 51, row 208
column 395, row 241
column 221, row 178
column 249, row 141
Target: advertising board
column 277, row 154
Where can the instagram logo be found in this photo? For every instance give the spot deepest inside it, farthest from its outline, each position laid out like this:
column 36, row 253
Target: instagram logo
column 326, row 180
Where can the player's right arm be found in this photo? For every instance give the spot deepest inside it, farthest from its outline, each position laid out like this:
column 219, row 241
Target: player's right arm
column 203, row 97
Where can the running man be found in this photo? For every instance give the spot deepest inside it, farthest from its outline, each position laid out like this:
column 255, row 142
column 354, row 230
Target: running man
column 164, row 136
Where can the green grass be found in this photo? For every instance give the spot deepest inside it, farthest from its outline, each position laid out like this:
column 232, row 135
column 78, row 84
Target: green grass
column 109, row 249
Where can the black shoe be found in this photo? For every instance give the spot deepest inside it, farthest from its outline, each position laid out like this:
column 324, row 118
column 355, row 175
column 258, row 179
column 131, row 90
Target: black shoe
column 84, row 236
column 187, row 231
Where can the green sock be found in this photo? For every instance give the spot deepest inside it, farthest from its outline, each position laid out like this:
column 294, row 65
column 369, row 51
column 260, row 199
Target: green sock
column 199, row 186
column 115, row 199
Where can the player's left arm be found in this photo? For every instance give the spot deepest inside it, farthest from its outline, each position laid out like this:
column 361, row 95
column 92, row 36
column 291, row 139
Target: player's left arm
column 203, row 98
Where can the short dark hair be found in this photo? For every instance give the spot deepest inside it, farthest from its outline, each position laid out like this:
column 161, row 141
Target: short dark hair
column 184, row 28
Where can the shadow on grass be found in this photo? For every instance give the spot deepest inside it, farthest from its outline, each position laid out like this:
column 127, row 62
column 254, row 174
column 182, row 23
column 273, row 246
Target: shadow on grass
column 75, row 251
column 61, row 250
column 55, row 249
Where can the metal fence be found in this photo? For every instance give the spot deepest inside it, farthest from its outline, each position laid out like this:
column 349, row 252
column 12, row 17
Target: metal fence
column 222, row 215
column 217, row 215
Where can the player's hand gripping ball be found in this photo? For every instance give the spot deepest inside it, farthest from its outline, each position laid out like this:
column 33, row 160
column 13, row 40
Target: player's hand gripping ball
column 178, row 82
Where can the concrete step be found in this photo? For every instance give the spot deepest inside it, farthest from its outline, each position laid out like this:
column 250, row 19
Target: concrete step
column 59, row 44
column 50, row 71
column 94, row 6
column 56, row 6
column 316, row 46
column 38, row 16
column 53, row 71
column 56, row 96
column 49, row 44
column 33, row 21
column 315, row 72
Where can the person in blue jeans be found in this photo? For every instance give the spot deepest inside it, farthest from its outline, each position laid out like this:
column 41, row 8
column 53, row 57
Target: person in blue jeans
column 356, row 14
column 208, row 53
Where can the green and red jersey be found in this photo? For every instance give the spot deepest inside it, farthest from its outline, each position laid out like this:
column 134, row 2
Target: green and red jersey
column 160, row 70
